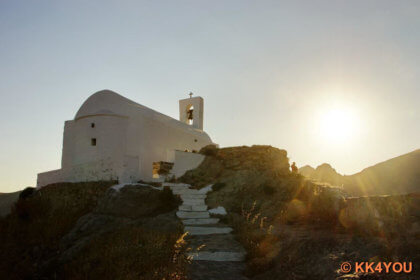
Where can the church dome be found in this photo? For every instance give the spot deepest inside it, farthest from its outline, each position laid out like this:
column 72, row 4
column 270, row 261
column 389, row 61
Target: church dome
column 109, row 103
column 104, row 102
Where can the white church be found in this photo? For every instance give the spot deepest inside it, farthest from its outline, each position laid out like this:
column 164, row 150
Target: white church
column 114, row 138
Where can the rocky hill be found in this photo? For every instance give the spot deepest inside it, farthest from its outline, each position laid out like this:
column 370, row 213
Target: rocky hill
column 290, row 227
column 293, row 228
column 323, row 173
column 398, row 175
column 91, row 231
column 307, row 171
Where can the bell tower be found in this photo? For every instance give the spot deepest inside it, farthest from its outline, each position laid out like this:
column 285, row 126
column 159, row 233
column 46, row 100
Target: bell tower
column 191, row 111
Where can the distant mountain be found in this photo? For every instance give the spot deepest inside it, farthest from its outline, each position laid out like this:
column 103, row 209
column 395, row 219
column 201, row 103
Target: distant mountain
column 307, row 171
column 394, row 176
column 323, row 173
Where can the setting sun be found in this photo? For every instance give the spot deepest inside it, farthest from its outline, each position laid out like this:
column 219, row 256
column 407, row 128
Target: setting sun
column 338, row 125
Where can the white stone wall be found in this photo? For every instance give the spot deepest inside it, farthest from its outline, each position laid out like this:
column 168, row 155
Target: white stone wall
column 104, row 169
column 130, row 170
column 109, row 132
column 186, row 161
column 91, row 171
column 159, row 140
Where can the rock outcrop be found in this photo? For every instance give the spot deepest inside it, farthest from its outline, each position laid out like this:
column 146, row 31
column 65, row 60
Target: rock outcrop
column 131, row 205
column 97, row 230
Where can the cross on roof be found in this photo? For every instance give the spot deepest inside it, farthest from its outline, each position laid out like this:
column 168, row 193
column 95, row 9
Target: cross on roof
column 190, row 94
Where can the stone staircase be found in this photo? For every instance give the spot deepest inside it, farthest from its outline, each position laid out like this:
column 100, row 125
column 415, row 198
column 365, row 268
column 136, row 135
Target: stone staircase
column 214, row 251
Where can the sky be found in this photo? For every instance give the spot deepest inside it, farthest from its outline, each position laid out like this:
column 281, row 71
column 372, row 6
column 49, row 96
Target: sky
column 328, row 81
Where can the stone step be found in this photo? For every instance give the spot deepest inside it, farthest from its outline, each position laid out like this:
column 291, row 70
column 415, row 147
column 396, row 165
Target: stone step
column 192, row 208
column 192, row 215
column 175, row 189
column 185, row 207
column 217, row 256
column 177, row 193
column 176, row 185
column 180, row 191
column 192, row 196
column 185, row 191
column 206, row 189
column 199, row 207
column 194, row 201
column 178, row 188
column 196, row 230
column 218, row 211
column 214, row 243
column 209, row 270
column 218, row 225
column 208, row 221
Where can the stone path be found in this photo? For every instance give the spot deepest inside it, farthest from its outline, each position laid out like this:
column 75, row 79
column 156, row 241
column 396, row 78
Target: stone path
column 214, row 251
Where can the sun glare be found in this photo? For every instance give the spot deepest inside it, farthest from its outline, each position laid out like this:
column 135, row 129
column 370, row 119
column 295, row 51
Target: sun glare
column 338, row 125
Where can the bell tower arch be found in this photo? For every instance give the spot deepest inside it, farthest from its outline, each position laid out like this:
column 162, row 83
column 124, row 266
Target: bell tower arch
column 191, row 111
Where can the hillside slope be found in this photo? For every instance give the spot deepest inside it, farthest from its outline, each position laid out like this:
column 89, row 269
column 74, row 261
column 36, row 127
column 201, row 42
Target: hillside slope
column 398, row 175
column 6, row 202
column 395, row 176
column 294, row 228
column 290, row 227
column 91, row 231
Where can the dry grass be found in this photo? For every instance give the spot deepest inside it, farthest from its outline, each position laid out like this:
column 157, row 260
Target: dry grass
column 129, row 253
column 293, row 228
column 307, row 251
column 256, row 235
column 31, row 235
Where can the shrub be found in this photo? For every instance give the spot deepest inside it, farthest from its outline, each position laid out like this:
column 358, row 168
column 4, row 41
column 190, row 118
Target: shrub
column 32, row 232
column 28, row 209
column 218, row 186
column 255, row 234
column 209, row 150
column 167, row 197
column 268, row 190
column 129, row 253
column 27, row 192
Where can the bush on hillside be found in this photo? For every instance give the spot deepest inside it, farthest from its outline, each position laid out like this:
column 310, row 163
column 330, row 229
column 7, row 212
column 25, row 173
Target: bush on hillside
column 268, row 190
column 27, row 192
column 32, row 232
column 126, row 231
column 218, row 186
column 131, row 252
column 168, row 198
column 209, row 150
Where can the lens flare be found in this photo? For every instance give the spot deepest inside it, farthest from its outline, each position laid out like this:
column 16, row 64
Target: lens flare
column 338, row 125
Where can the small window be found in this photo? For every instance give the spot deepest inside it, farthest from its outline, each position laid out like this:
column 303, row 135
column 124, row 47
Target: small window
column 93, row 141
column 195, row 140
column 92, row 125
